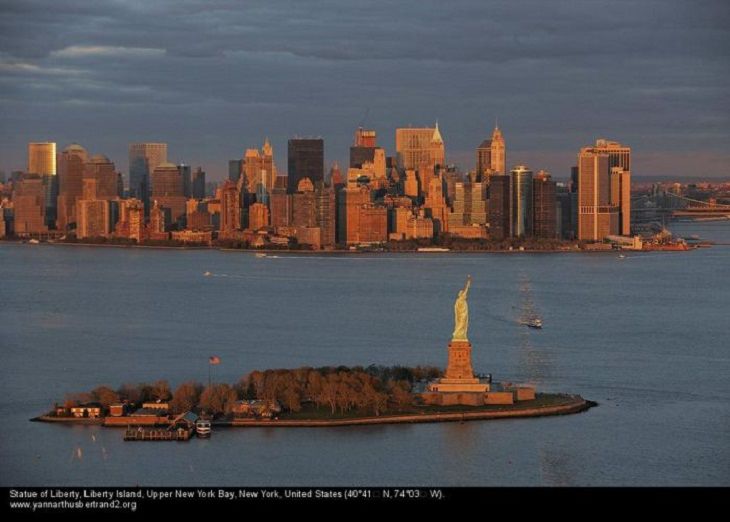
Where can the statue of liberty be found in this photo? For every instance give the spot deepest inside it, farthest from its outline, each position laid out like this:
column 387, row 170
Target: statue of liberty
column 461, row 313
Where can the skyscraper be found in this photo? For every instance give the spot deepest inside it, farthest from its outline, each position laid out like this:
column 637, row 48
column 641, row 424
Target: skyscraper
column 42, row 158
column 305, row 159
column 491, row 156
column 169, row 191
column 499, row 207
column 186, row 174
column 230, row 219
column 416, row 147
column 42, row 162
column 29, row 206
column 259, row 171
column 619, row 172
column 521, row 201
column 102, row 172
column 198, row 184
column 597, row 217
column 70, row 184
column 143, row 158
column 544, row 206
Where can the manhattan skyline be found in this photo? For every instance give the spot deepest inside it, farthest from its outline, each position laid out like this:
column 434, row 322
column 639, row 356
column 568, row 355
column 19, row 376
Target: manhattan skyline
column 212, row 85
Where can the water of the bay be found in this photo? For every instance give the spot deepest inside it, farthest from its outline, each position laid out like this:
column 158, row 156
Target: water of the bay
column 645, row 337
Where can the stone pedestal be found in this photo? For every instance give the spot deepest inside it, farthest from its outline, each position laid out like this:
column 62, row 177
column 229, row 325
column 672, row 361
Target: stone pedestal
column 459, row 375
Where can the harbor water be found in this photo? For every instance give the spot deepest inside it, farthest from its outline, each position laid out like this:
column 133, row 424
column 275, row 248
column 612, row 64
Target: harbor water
column 644, row 336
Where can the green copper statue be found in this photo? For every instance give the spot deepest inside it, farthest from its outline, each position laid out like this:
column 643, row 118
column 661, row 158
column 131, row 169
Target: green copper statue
column 461, row 313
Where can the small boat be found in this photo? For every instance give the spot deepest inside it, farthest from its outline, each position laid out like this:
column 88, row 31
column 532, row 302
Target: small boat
column 533, row 323
column 621, row 256
column 260, row 254
column 207, row 274
column 202, row 428
column 33, row 241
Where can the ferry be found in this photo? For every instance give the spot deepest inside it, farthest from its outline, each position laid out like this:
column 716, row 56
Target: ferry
column 202, row 428
column 433, row 249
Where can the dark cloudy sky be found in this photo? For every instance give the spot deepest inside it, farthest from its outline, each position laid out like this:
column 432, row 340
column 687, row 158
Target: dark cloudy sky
column 214, row 77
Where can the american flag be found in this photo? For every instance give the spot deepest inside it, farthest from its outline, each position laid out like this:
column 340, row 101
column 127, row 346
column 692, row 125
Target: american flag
column 214, row 359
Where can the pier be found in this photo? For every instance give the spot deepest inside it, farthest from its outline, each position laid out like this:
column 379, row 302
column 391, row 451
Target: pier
column 134, row 434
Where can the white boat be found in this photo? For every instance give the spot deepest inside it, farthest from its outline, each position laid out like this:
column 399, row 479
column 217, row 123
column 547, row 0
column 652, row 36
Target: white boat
column 207, row 274
column 621, row 256
column 532, row 323
column 260, row 254
column 33, row 241
column 202, row 428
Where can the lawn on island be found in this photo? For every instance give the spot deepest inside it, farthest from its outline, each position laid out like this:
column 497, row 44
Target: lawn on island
column 310, row 412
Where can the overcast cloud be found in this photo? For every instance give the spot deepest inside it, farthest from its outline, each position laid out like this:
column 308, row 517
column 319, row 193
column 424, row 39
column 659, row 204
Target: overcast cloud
column 214, row 77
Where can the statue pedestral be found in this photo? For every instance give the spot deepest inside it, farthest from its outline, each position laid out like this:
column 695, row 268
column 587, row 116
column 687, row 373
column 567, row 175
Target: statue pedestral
column 459, row 376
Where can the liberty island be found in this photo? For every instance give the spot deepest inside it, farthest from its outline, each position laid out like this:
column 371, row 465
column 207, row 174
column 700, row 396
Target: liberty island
column 296, row 398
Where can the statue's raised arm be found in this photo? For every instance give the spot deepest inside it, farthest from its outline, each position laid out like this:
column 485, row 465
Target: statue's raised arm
column 467, row 285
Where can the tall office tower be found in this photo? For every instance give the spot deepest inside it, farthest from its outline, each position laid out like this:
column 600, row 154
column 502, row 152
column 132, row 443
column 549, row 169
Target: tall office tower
column 365, row 154
column 417, row 147
column 597, row 217
column 102, row 172
column 258, row 216
column 618, row 155
column 42, row 158
column 373, row 224
column 470, row 207
column 259, row 171
column 336, row 179
column 435, row 206
column 365, row 138
column 143, row 158
column 198, row 184
column 452, row 176
column 157, row 222
column 235, row 168
column 348, row 212
column 42, row 161
column 521, row 201
column 70, row 184
column 186, row 175
column 574, row 179
column 280, row 208
column 491, row 156
column 305, row 159
column 168, row 190
column 304, row 211
column 544, row 217
column 93, row 217
column 131, row 222
column 29, row 196
column 621, row 198
column 410, row 185
column 326, row 214
column 499, row 207
column 230, row 201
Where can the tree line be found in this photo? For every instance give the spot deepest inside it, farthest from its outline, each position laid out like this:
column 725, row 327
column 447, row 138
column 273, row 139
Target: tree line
column 374, row 389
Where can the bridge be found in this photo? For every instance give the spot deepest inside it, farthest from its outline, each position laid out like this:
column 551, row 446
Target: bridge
column 667, row 205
